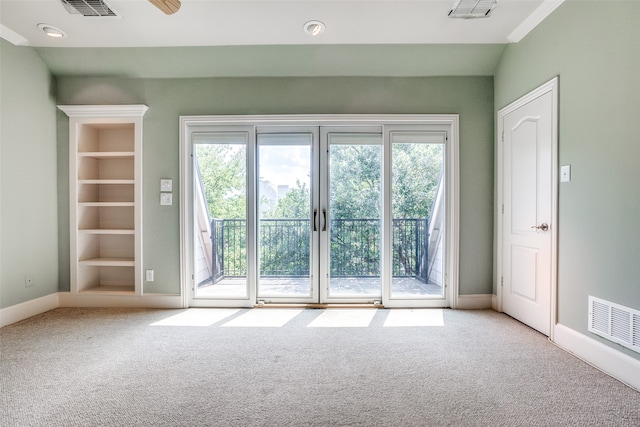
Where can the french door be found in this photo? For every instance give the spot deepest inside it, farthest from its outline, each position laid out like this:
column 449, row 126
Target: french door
column 291, row 212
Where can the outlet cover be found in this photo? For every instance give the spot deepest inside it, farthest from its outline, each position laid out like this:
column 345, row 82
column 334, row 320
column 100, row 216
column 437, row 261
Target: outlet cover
column 28, row 281
column 148, row 275
column 565, row 173
column 166, row 199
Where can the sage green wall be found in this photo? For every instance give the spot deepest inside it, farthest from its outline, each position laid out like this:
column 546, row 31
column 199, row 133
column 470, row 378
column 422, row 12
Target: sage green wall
column 28, row 173
column 595, row 49
column 168, row 99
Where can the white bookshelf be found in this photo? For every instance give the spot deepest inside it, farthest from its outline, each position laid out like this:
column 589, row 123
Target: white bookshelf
column 105, row 193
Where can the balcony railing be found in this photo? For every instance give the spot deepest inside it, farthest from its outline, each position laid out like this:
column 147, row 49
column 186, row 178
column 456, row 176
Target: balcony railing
column 355, row 248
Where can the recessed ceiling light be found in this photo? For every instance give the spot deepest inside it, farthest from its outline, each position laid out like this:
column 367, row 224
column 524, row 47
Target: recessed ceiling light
column 52, row 31
column 314, row 28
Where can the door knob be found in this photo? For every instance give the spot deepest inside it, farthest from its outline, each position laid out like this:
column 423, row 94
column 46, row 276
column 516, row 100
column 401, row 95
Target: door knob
column 543, row 227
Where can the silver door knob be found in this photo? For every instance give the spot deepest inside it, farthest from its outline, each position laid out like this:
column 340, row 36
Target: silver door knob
column 543, row 227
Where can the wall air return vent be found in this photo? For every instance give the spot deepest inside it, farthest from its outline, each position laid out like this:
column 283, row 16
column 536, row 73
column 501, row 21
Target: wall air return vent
column 88, row 7
column 468, row 9
column 615, row 322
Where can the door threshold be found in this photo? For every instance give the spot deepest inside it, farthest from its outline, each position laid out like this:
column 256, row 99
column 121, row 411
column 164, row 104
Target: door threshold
column 319, row 305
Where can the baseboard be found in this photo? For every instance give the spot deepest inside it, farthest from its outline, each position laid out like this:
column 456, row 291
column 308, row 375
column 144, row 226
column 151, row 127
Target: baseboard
column 68, row 299
column 615, row 363
column 24, row 310
column 474, row 302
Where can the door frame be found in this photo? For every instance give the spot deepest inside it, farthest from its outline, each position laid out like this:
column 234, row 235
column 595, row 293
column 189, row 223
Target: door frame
column 190, row 124
column 549, row 86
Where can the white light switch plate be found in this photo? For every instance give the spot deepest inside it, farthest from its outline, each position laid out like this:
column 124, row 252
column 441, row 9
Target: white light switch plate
column 565, row 173
column 166, row 185
column 166, row 199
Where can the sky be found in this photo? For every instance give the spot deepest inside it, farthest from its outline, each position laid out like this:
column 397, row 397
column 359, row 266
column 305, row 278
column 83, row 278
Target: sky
column 284, row 164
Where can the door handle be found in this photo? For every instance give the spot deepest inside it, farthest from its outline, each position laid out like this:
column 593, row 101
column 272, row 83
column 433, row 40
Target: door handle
column 324, row 225
column 315, row 214
column 542, row 227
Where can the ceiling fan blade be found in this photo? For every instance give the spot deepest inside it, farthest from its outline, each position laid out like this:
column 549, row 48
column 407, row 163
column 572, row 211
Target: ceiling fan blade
column 167, row 6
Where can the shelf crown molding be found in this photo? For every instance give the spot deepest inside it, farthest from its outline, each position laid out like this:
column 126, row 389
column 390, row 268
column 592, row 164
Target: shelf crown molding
column 137, row 110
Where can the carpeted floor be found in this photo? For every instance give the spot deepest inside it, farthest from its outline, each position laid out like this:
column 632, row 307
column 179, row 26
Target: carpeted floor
column 200, row 367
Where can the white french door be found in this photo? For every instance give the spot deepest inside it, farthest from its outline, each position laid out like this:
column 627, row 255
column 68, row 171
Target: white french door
column 351, row 212
column 319, row 228
column 287, row 228
column 292, row 210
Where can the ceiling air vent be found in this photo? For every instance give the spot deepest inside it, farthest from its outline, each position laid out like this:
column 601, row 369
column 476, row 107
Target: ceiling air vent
column 88, row 7
column 467, row 9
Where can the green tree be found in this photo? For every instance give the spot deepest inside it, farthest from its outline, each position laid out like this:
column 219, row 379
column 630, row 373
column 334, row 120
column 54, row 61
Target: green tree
column 295, row 203
column 355, row 186
column 415, row 178
column 223, row 172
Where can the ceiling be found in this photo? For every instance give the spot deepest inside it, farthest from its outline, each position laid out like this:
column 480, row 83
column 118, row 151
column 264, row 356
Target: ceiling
column 266, row 37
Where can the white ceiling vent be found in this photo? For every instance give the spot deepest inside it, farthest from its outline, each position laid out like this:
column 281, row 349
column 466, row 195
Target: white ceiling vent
column 467, row 9
column 615, row 322
column 88, row 7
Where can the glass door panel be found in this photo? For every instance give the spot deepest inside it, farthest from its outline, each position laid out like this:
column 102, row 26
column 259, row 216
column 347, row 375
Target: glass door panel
column 354, row 216
column 220, row 215
column 284, row 216
column 417, row 198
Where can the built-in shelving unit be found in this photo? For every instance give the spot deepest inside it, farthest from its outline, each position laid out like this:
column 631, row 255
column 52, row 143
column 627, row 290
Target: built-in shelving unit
column 105, row 191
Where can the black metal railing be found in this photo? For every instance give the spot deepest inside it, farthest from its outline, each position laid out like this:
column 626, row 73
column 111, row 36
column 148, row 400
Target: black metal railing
column 355, row 247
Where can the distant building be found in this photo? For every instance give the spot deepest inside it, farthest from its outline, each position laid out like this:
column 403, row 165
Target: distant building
column 282, row 191
column 268, row 197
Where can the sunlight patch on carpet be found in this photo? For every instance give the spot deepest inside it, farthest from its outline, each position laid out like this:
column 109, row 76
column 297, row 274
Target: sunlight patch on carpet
column 197, row 317
column 264, row 318
column 343, row 318
column 411, row 317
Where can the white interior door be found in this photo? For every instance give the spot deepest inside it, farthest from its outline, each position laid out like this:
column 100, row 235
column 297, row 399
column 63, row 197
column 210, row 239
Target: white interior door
column 528, row 220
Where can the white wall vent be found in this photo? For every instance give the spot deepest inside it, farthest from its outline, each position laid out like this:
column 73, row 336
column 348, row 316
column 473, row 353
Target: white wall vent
column 88, row 7
column 615, row 322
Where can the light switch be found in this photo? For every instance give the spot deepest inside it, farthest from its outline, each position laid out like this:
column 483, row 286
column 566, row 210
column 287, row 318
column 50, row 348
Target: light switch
column 166, row 184
column 565, row 173
column 166, row 199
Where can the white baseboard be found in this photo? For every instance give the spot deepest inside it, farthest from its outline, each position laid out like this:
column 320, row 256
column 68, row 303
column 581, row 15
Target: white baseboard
column 68, row 299
column 494, row 303
column 24, row 310
column 615, row 363
column 18, row 312
column 474, row 302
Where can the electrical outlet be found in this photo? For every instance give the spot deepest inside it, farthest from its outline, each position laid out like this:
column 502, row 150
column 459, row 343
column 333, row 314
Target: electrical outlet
column 28, row 281
column 166, row 199
column 148, row 275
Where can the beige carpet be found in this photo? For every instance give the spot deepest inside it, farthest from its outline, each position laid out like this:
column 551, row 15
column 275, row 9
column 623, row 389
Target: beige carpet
column 263, row 367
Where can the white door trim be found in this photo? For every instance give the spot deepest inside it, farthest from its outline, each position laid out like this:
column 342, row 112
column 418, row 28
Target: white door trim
column 189, row 124
column 550, row 86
